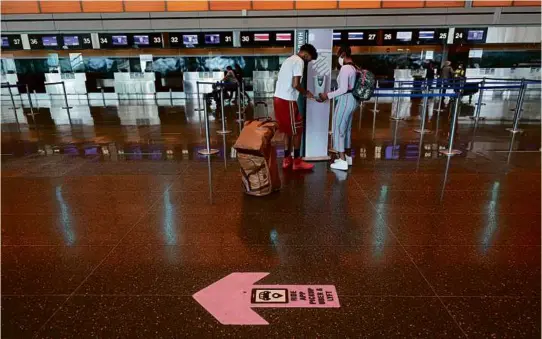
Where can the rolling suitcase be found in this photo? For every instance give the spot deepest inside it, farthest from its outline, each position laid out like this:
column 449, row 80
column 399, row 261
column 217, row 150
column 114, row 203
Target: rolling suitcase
column 258, row 158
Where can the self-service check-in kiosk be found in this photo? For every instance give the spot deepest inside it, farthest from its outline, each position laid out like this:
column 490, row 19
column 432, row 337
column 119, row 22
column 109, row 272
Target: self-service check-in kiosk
column 319, row 81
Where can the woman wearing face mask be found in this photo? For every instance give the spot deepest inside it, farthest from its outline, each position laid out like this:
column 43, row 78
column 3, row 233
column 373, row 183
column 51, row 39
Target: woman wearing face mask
column 345, row 106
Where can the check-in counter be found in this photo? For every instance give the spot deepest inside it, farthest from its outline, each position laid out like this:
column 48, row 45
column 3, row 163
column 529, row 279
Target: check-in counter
column 191, row 79
column 74, row 83
column 264, row 83
column 127, row 84
column 12, row 79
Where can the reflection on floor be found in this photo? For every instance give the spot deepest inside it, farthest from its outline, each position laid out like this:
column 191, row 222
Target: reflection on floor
column 109, row 227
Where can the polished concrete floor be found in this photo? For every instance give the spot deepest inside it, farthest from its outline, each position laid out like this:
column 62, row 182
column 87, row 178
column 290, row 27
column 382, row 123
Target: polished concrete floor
column 109, row 229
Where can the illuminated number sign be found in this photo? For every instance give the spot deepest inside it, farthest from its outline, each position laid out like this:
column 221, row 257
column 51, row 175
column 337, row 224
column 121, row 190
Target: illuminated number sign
column 135, row 40
column 267, row 38
column 12, row 42
column 470, row 35
column 200, row 40
column 356, row 37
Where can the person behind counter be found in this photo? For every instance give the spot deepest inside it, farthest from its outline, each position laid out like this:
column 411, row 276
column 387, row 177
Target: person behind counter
column 446, row 78
column 239, row 76
column 345, row 106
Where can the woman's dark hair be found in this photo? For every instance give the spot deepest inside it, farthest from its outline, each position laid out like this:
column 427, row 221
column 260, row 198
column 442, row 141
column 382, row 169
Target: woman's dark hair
column 229, row 68
column 310, row 50
column 346, row 50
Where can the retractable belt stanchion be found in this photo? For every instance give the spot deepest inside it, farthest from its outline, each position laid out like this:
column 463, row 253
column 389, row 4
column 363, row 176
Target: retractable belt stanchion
column 67, row 107
column 224, row 130
column 398, row 106
column 37, row 101
column 422, row 129
column 375, row 107
column 451, row 151
column 519, row 108
column 199, row 109
column 171, row 97
column 208, row 150
column 442, row 90
column 14, row 108
column 239, row 119
column 30, row 104
column 480, row 103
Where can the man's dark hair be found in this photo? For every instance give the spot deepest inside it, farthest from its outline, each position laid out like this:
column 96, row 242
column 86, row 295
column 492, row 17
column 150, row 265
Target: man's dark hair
column 310, row 50
column 229, row 68
column 346, row 50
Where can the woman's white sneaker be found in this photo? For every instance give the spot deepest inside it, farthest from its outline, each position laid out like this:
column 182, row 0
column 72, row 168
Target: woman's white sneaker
column 340, row 164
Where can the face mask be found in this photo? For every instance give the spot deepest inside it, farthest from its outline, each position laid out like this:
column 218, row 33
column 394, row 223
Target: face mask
column 341, row 61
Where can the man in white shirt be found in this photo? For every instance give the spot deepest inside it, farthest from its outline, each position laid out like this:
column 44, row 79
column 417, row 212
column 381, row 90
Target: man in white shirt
column 287, row 90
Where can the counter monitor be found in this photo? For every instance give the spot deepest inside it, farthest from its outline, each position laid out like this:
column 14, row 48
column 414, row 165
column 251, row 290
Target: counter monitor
column 119, row 40
column 5, row 41
column 355, row 35
column 283, row 37
column 261, row 36
column 142, row 40
column 475, row 35
column 212, row 39
column 190, row 39
column 337, row 36
column 49, row 41
column 71, row 40
column 404, row 36
column 427, row 35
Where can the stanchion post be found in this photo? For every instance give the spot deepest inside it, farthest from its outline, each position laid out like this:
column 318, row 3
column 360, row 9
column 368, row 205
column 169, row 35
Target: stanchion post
column 519, row 108
column 14, row 108
column 398, row 106
column 199, row 109
column 451, row 151
column 224, row 130
column 37, row 101
column 375, row 108
column 208, row 150
column 240, row 119
column 171, row 97
column 20, row 96
column 103, row 96
column 67, row 108
column 30, row 104
column 425, row 93
column 480, row 103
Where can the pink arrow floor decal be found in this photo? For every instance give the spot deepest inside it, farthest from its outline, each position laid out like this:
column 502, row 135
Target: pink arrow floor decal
column 231, row 299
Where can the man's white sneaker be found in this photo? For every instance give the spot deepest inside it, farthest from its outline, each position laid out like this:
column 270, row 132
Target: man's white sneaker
column 340, row 164
column 348, row 160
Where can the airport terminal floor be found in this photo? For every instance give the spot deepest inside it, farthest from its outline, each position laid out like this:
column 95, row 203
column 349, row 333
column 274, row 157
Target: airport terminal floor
column 109, row 231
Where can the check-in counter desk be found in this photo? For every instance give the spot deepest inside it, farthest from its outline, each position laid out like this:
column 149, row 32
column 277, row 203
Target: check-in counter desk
column 74, row 83
column 264, row 83
column 131, row 85
column 12, row 80
column 80, row 115
column 191, row 79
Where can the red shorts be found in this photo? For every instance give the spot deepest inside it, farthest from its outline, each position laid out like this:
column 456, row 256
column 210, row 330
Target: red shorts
column 287, row 114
